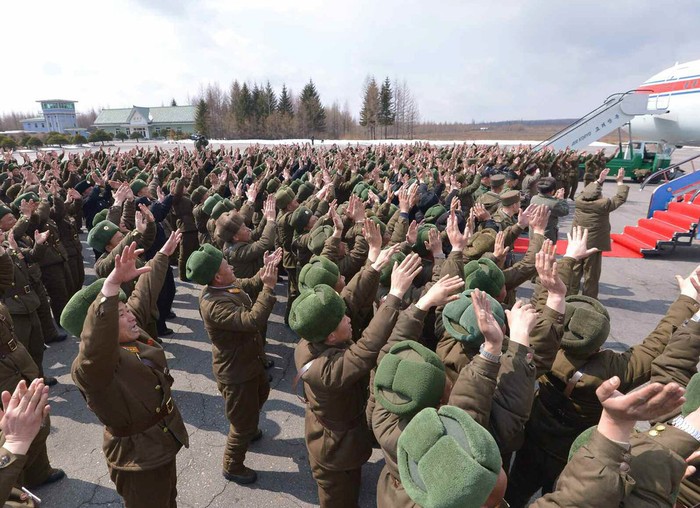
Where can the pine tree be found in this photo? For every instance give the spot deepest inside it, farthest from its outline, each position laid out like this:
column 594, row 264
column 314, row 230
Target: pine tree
column 370, row 106
column 285, row 104
column 270, row 99
column 387, row 113
column 312, row 115
column 201, row 117
column 172, row 102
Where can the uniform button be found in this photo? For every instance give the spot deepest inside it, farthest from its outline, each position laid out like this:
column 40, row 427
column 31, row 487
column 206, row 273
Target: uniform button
column 4, row 460
column 624, row 467
column 660, row 427
column 157, row 410
column 627, row 457
column 653, row 433
column 157, row 387
column 165, row 429
column 103, row 299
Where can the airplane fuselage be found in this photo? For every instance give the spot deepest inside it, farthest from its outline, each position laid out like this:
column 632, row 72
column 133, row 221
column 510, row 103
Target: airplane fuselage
column 677, row 90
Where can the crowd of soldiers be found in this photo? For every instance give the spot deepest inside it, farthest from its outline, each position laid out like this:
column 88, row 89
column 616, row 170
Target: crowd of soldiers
column 401, row 287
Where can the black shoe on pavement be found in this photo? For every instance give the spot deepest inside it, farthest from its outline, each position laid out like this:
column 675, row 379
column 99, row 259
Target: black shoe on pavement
column 58, row 338
column 243, row 477
column 172, row 315
column 165, row 332
column 51, row 381
column 258, row 436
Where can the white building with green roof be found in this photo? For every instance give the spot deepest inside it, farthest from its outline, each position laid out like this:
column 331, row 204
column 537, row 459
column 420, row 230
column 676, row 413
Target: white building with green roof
column 149, row 122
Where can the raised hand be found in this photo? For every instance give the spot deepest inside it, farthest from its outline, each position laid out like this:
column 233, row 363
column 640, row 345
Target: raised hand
column 171, row 244
column 603, row 175
column 578, row 241
column 403, row 274
column 546, row 266
column 690, row 286
column 125, row 266
column 525, row 216
column 373, row 235
column 500, row 251
column 268, row 275
column 521, row 320
column 441, row 293
column 621, row 412
column 480, row 212
column 434, row 245
column 385, row 256
column 458, row 240
column 40, row 238
column 273, row 257
column 412, row 233
column 251, row 192
column 24, row 412
column 489, row 327
column 539, row 219
column 269, row 208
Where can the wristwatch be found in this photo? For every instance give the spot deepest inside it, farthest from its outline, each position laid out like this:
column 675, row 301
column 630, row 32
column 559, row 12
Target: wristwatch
column 490, row 356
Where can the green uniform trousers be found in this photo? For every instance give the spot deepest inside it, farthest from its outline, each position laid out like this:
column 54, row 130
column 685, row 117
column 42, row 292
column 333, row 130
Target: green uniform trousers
column 58, row 283
column 188, row 244
column 590, row 268
column 336, row 489
column 292, row 291
column 147, row 489
column 243, row 403
column 29, row 332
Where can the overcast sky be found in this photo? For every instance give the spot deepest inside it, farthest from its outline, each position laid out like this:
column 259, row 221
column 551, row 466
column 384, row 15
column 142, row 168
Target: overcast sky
column 463, row 60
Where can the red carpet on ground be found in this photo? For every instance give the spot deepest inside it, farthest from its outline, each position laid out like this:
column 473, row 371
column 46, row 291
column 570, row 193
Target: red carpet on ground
column 618, row 251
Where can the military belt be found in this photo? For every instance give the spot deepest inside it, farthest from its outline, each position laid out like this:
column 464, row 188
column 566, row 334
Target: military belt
column 137, row 428
column 21, row 290
column 8, row 347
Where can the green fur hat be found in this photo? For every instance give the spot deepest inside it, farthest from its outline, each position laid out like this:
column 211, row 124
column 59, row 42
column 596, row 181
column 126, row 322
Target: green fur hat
column 320, row 270
column 75, row 311
column 460, row 321
column 447, row 460
column 484, row 274
column 316, row 313
column 203, row 264
column 409, row 378
column 586, row 326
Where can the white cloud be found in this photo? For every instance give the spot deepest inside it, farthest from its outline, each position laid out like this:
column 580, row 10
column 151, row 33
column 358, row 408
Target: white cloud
column 463, row 60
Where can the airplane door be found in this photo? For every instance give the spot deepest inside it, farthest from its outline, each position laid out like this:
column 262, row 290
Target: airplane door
column 663, row 101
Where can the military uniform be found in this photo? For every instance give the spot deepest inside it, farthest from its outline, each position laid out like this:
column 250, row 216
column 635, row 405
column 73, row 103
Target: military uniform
column 16, row 364
column 234, row 323
column 183, row 209
column 337, row 438
column 246, row 258
column 593, row 214
column 128, row 387
column 285, row 236
column 558, row 208
column 567, row 404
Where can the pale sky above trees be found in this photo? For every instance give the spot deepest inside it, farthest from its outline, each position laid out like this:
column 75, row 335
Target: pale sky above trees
column 463, row 60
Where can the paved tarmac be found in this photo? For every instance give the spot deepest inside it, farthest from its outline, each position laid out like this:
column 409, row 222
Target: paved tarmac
column 637, row 293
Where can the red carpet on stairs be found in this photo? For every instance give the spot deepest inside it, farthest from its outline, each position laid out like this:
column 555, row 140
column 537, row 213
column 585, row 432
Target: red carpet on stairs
column 618, row 251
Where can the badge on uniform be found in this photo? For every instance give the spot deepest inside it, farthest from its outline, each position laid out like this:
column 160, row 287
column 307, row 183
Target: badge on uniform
column 234, row 291
column 131, row 349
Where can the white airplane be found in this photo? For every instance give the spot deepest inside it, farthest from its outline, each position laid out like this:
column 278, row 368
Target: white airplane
column 676, row 90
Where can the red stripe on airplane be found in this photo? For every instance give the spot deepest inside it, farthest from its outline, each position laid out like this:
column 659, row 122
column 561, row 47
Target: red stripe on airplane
column 675, row 86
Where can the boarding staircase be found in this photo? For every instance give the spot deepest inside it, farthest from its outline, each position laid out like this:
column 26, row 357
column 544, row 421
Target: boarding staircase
column 672, row 219
column 616, row 111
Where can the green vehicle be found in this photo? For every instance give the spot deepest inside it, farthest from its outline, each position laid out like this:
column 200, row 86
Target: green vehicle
column 642, row 159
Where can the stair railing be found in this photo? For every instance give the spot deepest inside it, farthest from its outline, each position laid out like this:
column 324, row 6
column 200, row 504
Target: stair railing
column 667, row 170
column 611, row 101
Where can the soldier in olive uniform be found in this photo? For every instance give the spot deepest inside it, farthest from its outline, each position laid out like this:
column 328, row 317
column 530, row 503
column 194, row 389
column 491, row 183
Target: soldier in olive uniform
column 334, row 369
column 556, row 203
column 592, row 213
column 123, row 375
column 234, row 324
column 286, row 202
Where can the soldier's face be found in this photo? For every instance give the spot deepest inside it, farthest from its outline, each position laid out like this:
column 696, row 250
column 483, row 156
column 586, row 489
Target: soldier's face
column 7, row 222
column 128, row 327
column 225, row 276
column 114, row 242
column 342, row 333
column 243, row 234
